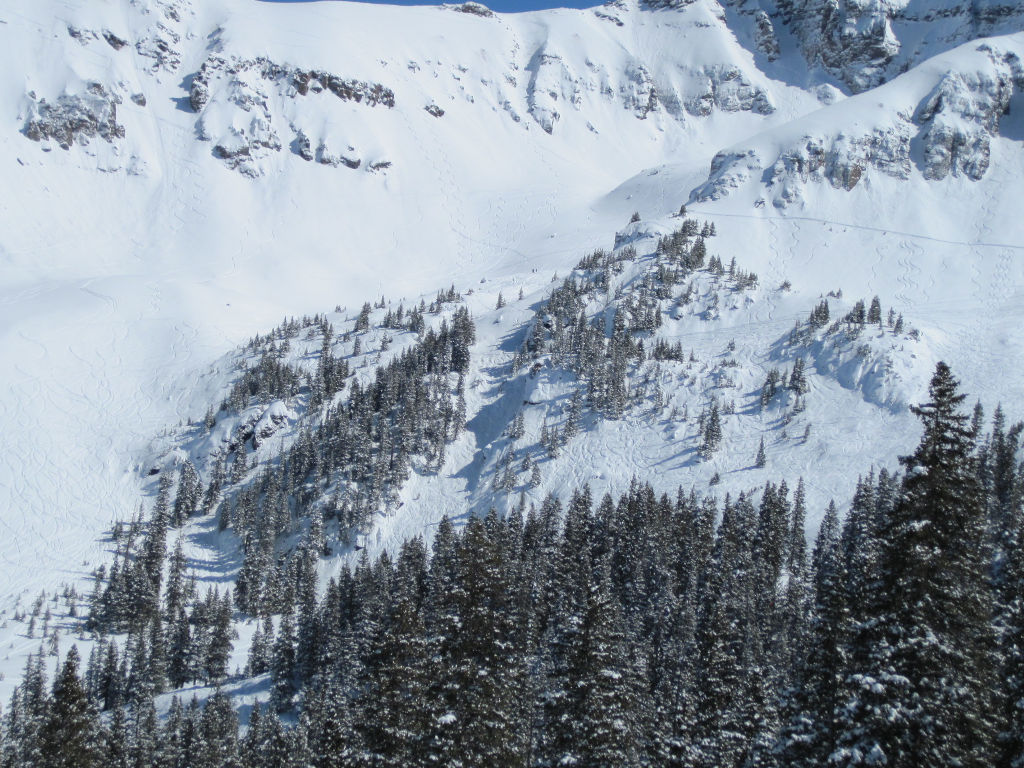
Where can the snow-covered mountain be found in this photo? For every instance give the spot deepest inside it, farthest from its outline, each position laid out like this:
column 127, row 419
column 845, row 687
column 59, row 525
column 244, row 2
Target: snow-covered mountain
column 180, row 176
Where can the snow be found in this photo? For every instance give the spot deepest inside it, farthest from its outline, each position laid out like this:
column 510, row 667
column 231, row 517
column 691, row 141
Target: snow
column 130, row 271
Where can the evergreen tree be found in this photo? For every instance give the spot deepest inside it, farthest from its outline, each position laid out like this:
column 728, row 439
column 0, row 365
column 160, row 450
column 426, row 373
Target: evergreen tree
column 283, row 666
column 181, row 661
column 733, row 707
column 187, row 499
column 396, row 710
column 875, row 311
column 218, row 651
column 69, row 736
column 808, row 735
column 217, row 745
column 797, row 379
column 607, row 686
column 922, row 678
column 479, row 673
column 712, row 433
column 175, row 593
column 115, row 742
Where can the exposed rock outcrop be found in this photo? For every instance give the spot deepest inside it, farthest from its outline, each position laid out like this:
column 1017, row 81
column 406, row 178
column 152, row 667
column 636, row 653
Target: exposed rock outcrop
column 242, row 147
column 840, row 161
column 638, row 92
column 160, row 43
column 230, row 72
column 726, row 88
column 862, row 43
column 764, row 36
column 656, row 4
column 551, row 84
column 476, row 9
column 253, row 87
column 961, row 117
column 271, row 421
column 115, row 42
column 325, row 155
column 728, row 171
column 949, row 132
column 76, row 118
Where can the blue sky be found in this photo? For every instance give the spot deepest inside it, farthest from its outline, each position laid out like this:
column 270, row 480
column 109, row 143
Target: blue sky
column 504, row 6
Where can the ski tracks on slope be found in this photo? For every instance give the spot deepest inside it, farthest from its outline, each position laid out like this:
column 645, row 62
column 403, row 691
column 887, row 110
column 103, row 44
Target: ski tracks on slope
column 910, row 291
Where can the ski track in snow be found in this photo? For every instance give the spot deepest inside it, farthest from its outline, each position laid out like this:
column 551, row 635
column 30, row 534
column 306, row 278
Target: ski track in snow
column 712, row 214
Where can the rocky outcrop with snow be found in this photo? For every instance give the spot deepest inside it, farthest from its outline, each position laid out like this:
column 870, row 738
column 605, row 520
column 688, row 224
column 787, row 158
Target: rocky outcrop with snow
column 551, row 89
column 75, row 118
column 947, row 131
column 245, row 121
column 961, row 116
column 727, row 89
column 866, row 43
column 161, row 41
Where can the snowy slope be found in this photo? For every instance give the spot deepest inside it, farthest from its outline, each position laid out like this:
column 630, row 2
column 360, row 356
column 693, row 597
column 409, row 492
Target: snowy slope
column 131, row 267
column 154, row 256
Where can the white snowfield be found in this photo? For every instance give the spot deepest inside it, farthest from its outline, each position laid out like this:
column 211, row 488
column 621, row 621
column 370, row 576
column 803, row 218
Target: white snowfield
column 134, row 260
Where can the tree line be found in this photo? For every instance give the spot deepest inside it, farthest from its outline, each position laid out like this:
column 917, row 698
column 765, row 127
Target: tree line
column 645, row 630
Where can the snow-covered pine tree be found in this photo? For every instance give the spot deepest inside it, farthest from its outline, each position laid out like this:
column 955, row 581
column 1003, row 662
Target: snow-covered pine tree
column 69, row 734
column 711, row 435
column 922, row 676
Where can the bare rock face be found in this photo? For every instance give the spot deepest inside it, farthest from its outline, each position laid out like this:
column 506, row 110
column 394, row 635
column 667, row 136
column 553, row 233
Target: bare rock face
column 639, row 94
column 858, row 42
column 199, row 92
column 865, row 42
column 253, row 89
column 854, row 41
column 551, row 85
column 230, row 72
column 75, row 119
column 840, row 161
column 115, row 42
column 961, row 116
column 948, row 133
column 476, row 9
column 326, row 155
column 727, row 89
column 83, row 36
column 303, row 146
column 370, row 94
column 729, row 170
column 160, row 44
column 656, row 4
column 764, row 36
column 271, row 421
column 242, row 147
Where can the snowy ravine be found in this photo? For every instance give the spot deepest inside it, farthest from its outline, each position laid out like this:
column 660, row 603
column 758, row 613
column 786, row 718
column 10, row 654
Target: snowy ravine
column 179, row 177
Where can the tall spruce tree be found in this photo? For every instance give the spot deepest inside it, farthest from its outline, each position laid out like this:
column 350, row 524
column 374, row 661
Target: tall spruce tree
column 70, row 733
column 921, row 678
column 807, row 737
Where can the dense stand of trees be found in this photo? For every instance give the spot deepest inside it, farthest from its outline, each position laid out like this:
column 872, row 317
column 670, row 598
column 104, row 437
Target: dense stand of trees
column 639, row 631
